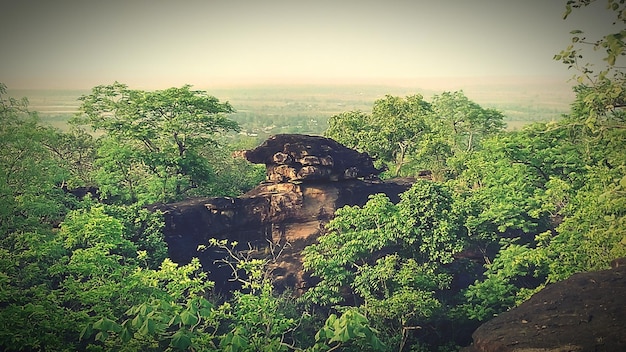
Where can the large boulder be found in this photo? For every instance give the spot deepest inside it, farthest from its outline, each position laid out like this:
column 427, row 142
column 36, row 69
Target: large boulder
column 586, row 312
column 309, row 178
column 278, row 220
column 296, row 157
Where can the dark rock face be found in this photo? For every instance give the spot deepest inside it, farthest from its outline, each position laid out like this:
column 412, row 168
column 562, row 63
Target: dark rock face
column 583, row 313
column 295, row 157
column 279, row 218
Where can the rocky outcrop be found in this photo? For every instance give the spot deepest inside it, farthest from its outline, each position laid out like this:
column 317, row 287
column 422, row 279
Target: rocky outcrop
column 308, row 179
column 295, row 157
column 583, row 313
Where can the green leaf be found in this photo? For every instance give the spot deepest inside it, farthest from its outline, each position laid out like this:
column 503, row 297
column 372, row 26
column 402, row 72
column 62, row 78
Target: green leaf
column 175, row 320
column 137, row 321
column 148, row 328
column 115, row 327
column 86, row 332
column 239, row 343
column 144, row 309
column 323, row 334
column 102, row 336
column 568, row 11
column 103, row 324
column 341, row 335
column 180, row 340
column 126, row 335
column 188, row 318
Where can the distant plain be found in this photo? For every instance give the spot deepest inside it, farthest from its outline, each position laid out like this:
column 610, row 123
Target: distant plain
column 265, row 108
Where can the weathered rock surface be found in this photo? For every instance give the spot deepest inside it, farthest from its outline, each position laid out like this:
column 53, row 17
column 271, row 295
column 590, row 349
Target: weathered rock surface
column 296, row 157
column 278, row 217
column 309, row 178
column 586, row 312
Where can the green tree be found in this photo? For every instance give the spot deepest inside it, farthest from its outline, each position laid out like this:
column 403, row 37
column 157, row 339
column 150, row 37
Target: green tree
column 75, row 152
column 165, row 130
column 511, row 181
column 400, row 125
column 233, row 175
column 179, row 317
column 55, row 282
column 390, row 259
column 349, row 128
column 29, row 196
column 33, row 316
column 457, row 126
column 412, row 134
column 121, row 175
column 600, row 95
column 592, row 232
column 389, row 134
column 463, row 121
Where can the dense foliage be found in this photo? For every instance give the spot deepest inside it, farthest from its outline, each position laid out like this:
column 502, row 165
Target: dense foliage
column 409, row 134
column 537, row 205
column 157, row 146
column 83, row 265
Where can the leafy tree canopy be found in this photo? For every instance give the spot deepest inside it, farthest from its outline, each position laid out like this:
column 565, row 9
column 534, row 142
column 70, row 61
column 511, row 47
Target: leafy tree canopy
column 600, row 95
column 389, row 133
column 159, row 135
column 412, row 134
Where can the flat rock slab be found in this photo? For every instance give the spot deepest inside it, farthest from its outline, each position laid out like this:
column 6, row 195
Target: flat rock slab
column 586, row 312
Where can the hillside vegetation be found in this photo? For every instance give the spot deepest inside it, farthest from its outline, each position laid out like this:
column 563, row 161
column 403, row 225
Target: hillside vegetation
column 83, row 265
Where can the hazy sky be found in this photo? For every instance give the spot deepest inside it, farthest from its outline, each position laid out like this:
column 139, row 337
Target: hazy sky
column 159, row 44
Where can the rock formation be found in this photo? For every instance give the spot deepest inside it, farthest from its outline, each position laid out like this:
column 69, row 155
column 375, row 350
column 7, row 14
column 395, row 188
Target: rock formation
column 583, row 313
column 308, row 178
column 294, row 157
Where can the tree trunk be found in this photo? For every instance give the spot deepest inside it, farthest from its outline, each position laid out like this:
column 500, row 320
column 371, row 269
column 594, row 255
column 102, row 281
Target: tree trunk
column 400, row 159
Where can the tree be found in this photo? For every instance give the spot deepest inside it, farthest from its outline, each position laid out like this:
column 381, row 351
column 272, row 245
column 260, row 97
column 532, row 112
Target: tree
column 74, row 151
column 29, row 196
column 233, row 175
column 92, row 267
column 389, row 134
column 412, row 134
column 600, row 94
column 350, row 129
column 165, row 130
column 463, row 121
column 389, row 258
column 400, row 125
column 457, row 126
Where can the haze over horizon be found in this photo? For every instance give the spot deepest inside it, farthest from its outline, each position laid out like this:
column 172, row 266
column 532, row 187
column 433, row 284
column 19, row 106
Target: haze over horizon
column 72, row 44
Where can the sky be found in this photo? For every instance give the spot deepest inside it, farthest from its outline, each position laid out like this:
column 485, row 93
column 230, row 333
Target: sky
column 77, row 44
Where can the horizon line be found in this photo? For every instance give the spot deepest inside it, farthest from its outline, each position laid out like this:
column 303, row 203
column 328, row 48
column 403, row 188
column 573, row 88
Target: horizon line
column 217, row 83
